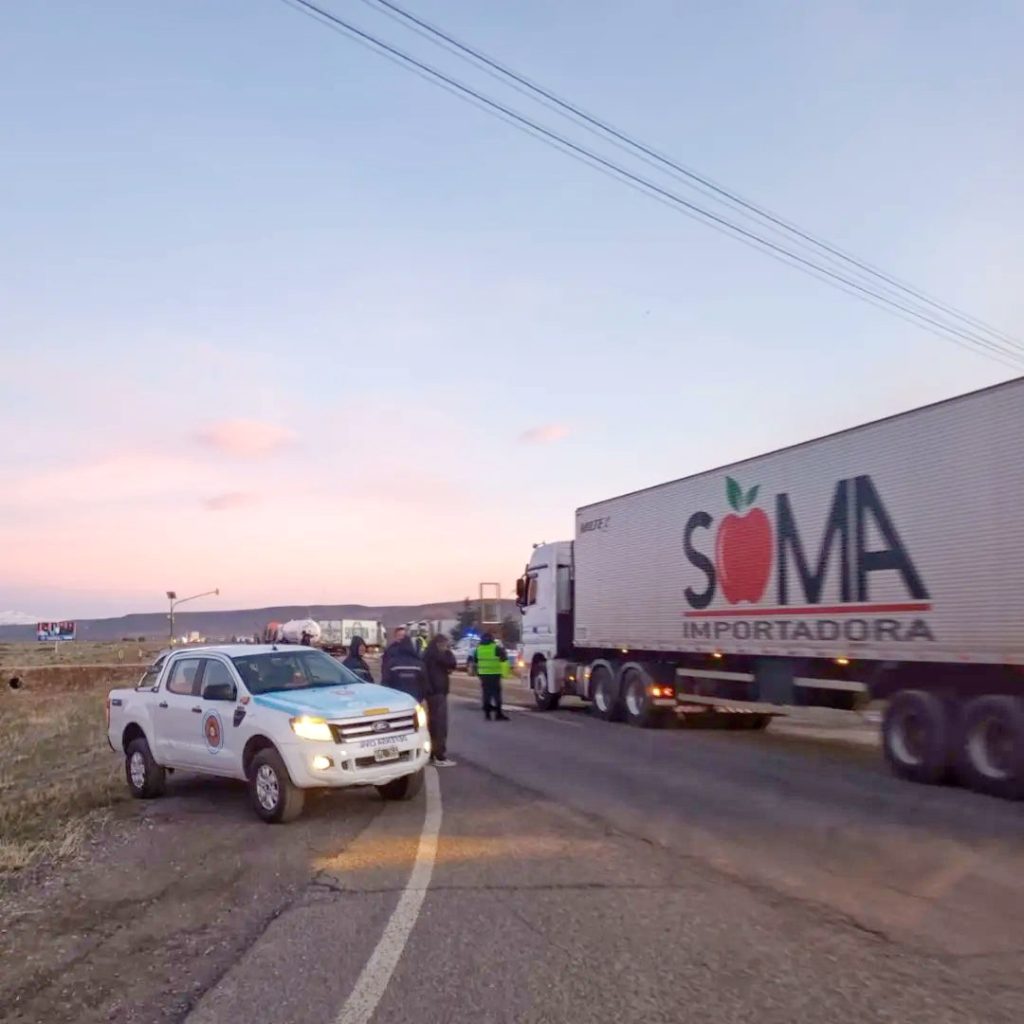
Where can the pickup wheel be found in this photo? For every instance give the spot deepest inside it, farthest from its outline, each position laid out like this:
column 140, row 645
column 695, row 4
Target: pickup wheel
column 404, row 788
column 916, row 737
column 275, row 798
column 542, row 696
column 990, row 754
column 146, row 779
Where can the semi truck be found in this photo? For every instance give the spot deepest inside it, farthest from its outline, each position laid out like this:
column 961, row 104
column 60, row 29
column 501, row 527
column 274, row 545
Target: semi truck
column 884, row 562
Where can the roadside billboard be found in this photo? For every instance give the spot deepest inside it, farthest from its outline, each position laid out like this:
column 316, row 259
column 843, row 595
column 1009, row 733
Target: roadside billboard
column 49, row 632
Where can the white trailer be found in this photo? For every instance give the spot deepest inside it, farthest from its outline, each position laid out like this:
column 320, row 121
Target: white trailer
column 879, row 562
column 338, row 633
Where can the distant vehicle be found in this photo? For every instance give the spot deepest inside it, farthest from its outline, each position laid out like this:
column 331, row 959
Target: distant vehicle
column 881, row 562
column 294, row 631
column 463, row 650
column 285, row 720
column 336, row 634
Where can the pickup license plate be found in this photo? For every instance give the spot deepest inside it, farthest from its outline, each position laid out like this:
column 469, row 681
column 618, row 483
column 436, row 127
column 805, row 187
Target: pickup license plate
column 386, row 754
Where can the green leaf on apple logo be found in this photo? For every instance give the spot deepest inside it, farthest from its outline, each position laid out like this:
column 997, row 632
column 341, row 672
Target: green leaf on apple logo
column 734, row 493
column 752, row 494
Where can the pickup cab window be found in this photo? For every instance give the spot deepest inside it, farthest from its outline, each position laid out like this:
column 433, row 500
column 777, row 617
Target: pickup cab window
column 292, row 670
column 182, row 679
column 217, row 678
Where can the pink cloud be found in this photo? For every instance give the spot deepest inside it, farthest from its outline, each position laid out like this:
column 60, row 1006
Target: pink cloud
column 124, row 476
column 246, row 439
column 546, row 433
column 230, row 500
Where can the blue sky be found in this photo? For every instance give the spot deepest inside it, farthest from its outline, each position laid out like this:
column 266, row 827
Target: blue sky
column 275, row 315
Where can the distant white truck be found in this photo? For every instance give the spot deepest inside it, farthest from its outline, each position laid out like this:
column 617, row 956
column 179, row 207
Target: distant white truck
column 283, row 719
column 882, row 562
column 336, row 634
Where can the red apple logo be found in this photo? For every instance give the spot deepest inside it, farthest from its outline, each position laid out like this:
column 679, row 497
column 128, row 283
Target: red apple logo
column 743, row 547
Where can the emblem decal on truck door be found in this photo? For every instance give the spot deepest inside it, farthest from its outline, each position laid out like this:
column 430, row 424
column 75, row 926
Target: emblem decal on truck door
column 213, row 731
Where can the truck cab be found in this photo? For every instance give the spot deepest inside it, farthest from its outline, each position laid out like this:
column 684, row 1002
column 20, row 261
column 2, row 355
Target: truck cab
column 544, row 596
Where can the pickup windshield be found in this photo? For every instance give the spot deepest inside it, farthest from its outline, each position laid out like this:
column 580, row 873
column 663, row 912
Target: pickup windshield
column 291, row 670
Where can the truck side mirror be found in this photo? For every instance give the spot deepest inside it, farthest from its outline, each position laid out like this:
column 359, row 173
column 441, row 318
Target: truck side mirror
column 220, row 691
column 520, row 591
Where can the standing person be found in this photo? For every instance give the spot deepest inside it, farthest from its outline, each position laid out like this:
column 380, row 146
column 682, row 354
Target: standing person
column 403, row 670
column 392, row 648
column 355, row 662
column 490, row 667
column 440, row 664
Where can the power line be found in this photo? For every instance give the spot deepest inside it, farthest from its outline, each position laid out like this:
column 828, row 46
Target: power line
column 719, row 223
column 707, row 185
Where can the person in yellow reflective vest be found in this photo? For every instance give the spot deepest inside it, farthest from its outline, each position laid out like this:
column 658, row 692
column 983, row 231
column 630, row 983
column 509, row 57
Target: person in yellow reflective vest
column 491, row 666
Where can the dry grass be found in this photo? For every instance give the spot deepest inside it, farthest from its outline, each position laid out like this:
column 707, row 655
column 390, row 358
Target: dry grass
column 57, row 773
column 78, row 652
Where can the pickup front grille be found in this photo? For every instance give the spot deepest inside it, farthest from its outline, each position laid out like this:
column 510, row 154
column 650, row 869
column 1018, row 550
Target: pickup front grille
column 384, row 726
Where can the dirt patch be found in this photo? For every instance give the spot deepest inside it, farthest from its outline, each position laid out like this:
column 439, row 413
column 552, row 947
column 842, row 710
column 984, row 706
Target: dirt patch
column 162, row 903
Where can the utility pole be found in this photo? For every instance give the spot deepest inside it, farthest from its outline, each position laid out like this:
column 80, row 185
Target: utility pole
column 174, row 600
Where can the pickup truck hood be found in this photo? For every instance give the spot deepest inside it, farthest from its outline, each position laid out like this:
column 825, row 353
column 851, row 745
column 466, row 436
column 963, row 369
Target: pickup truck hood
column 343, row 701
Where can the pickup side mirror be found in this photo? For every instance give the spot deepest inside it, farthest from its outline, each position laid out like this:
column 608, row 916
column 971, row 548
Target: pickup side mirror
column 220, row 691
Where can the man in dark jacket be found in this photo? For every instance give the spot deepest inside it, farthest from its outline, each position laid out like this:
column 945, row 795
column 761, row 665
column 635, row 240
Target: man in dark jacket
column 355, row 662
column 393, row 647
column 440, row 664
column 403, row 670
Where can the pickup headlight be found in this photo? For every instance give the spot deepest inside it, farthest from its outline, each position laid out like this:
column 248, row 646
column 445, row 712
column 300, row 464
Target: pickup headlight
column 421, row 717
column 311, row 728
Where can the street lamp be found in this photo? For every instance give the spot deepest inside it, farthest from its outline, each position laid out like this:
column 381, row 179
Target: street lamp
column 174, row 600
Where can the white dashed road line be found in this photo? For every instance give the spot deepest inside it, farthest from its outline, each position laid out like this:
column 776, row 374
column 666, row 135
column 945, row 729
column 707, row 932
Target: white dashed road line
column 373, row 981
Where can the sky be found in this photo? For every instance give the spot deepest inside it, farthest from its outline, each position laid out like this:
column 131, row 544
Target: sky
column 279, row 317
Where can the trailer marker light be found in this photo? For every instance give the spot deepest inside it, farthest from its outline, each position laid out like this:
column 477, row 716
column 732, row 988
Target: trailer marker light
column 842, row 661
column 655, row 691
column 717, row 654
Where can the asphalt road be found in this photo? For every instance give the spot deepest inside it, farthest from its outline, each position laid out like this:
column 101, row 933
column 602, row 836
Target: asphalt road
column 591, row 872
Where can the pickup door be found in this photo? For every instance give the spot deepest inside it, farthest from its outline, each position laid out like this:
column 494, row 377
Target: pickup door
column 176, row 719
column 218, row 735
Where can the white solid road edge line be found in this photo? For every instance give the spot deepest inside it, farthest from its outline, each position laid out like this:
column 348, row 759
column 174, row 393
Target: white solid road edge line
column 373, row 981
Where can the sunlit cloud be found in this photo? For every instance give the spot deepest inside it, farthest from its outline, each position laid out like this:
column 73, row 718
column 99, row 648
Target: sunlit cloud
column 12, row 618
column 244, row 438
column 230, row 500
column 125, row 476
column 546, row 433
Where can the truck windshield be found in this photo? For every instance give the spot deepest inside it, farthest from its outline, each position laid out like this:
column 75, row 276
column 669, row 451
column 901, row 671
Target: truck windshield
column 291, row 670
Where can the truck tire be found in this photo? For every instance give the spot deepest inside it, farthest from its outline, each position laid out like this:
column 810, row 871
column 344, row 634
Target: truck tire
column 990, row 746
column 275, row 798
column 607, row 701
column 404, row 788
column 637, row 703
column 916, row 737
column 146, row 779
column 542, row 696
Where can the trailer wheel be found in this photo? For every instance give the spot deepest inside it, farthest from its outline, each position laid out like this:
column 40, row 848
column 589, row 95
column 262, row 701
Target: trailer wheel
column 636, row 698
column 542, row 696
column 916, row 737
column 607, row 703
column 990, row 746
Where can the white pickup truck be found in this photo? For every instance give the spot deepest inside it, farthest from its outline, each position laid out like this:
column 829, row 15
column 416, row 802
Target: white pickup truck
column 283, row 719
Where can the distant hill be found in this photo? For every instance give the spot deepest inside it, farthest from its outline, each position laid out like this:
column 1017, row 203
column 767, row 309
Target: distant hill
column 244, row 622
